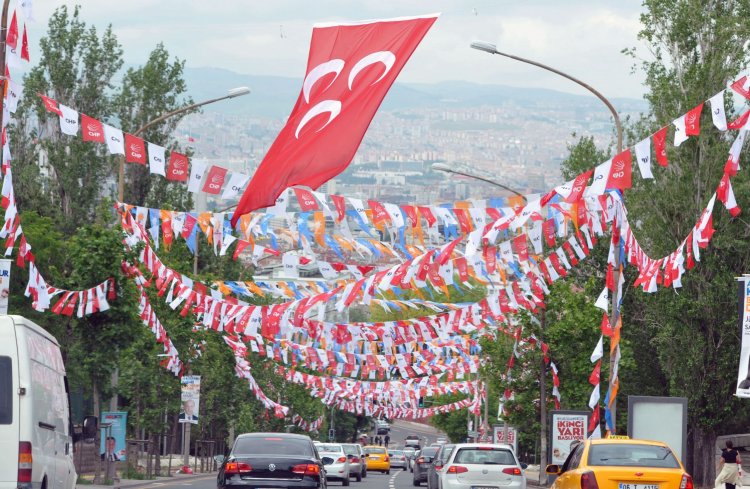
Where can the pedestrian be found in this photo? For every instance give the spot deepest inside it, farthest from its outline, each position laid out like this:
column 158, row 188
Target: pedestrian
column 730, row 467
column 387, row 439
column 377, row 440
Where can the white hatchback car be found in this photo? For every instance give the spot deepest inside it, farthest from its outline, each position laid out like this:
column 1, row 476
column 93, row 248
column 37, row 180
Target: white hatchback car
column 482, row 466
column 335, row 462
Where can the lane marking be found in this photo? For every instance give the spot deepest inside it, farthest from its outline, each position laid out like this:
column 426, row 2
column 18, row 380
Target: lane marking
column 392, row 480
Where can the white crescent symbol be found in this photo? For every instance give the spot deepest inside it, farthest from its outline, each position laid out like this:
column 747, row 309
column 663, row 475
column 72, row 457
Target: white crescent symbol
column 385, row 57
column 333, row 107
column 323, row 69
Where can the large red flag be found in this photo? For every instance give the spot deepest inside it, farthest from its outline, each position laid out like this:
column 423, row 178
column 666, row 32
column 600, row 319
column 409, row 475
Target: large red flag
column 349, row 71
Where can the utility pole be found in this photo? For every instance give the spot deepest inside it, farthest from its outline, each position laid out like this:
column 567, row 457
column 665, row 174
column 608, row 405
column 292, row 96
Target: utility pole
column 542, row 407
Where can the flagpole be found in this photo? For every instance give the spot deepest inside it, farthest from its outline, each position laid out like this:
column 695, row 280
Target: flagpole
column 614, row 316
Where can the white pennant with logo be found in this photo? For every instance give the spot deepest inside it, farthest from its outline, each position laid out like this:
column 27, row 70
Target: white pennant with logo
column 114, row 139
column 156, row 159
column 68, row 120
column 196, row 175
column 237, row 182
column 643, row 156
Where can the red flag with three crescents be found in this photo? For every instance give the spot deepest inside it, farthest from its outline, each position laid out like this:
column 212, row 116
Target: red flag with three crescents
column 350, row 68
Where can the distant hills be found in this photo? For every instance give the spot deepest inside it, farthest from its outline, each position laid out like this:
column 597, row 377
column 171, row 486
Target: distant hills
column 274, row 96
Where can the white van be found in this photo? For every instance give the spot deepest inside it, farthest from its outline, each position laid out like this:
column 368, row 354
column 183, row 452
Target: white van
column 34, row 411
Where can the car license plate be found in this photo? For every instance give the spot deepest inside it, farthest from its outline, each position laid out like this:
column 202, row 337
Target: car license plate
column 627, row 485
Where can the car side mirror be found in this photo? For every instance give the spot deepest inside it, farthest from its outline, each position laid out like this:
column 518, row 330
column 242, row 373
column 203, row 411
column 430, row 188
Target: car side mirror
column 524, row 466
column 553, row 469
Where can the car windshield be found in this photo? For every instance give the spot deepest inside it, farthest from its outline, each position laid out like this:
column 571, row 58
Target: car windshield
column 350, row 449
column 330, row 448
column 272, row 445
column 374, row 450
column 397, row 453
column 485, row 456
column 429, row 452
column 629, row 454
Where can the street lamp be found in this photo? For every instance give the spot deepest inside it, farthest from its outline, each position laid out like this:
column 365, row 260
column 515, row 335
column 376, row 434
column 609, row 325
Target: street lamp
column 232, row 93
column 447, row 169
column 492, row 49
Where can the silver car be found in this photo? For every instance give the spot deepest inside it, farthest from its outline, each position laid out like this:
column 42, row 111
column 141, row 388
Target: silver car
column 356, row 456
column 482, row 466
column 335, row 461
column 398, row 459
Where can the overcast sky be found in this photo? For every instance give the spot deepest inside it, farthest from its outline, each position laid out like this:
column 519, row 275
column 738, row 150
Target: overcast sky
column 271, row 37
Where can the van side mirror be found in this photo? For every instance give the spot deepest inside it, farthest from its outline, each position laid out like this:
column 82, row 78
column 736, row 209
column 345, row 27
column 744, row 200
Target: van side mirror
column 524, row 466
column 90, row 425
column 553, row 469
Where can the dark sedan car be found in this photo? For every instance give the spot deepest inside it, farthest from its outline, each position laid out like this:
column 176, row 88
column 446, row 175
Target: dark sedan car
column 422, row 464
column 272, row 460
column 433, row 473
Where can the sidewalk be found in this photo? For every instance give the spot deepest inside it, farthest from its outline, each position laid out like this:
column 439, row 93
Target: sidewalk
column 532, row 476
column 133, row 483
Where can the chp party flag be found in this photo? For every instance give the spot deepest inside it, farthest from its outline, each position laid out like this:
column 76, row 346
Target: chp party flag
column 350, row 68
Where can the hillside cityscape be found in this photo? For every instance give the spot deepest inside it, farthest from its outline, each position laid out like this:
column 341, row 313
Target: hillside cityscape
column 517, row 137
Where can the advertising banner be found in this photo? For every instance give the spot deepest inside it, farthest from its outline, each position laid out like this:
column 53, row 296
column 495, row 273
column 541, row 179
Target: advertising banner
column 190, row 398
column 4, row 285
column 566, row 427
column 112, row 445
column 743, row 374
column 498, row 436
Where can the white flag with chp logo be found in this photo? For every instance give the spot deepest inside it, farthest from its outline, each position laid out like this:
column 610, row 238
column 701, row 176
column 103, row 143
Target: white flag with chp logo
column 156, row 159
column 237, row 182
column 196, row 175
column 68, row 120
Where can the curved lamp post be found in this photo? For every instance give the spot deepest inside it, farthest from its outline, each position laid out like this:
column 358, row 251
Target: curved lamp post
column 492, row 49
column 232, row 93
column 447, row 169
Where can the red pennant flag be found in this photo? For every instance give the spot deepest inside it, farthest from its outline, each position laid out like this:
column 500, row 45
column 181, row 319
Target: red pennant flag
column 349, row 71
column 490, row 258
column 178, row 167
column 739, row 122
column 660, row 146
column 11, row 38
column 135, row 149
column 579, row 185
column 427, row 214
column 92, row 129
column 379, row 214
column 25, row 45
column 620, row 171
column 51, row 105
column 241, row 245
column 306, row 200
column 606, row 327
column 215, row 180
column 596, row 373
column 521, row 247
column 594, row 419
column 548, row 228
column 693, row 121
column 340, row 204
column 739, row 87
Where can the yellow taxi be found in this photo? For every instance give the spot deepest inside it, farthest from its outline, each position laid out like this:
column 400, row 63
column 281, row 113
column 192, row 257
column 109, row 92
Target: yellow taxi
column 377, row 459
column 620, row 463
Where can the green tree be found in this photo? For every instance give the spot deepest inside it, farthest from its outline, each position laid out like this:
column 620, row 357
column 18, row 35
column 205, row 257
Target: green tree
column 147, row 92
column 696, row 47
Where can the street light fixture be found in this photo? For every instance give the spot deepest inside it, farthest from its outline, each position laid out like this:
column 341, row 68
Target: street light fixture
column 232, row 93
column 488, row 47
column 447, row 169
column 492, row 49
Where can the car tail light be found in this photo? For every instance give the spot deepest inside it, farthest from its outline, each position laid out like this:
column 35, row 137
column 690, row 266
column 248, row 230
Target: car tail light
column 512, row 471
column 237, row 467
column 24, row 461
column 485, row 448
column 306, row 469
column 420, row 460
column 588, row 481
column 355, row 460
column 387, row 459
column 341, row 460
column 457, row 469
column 686, row 482
column 438, row 467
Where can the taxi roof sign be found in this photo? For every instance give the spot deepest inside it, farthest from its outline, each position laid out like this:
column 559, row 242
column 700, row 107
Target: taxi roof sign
column 618, row 437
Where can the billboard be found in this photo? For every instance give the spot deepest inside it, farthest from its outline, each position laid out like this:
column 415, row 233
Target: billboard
column 190, row 398
column 743, row 373
column 112, row 445
column 566, row 428
column 498, row 436
column 661, row 419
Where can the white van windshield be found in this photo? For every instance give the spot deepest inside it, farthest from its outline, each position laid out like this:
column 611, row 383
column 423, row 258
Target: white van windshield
column 6, row 390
